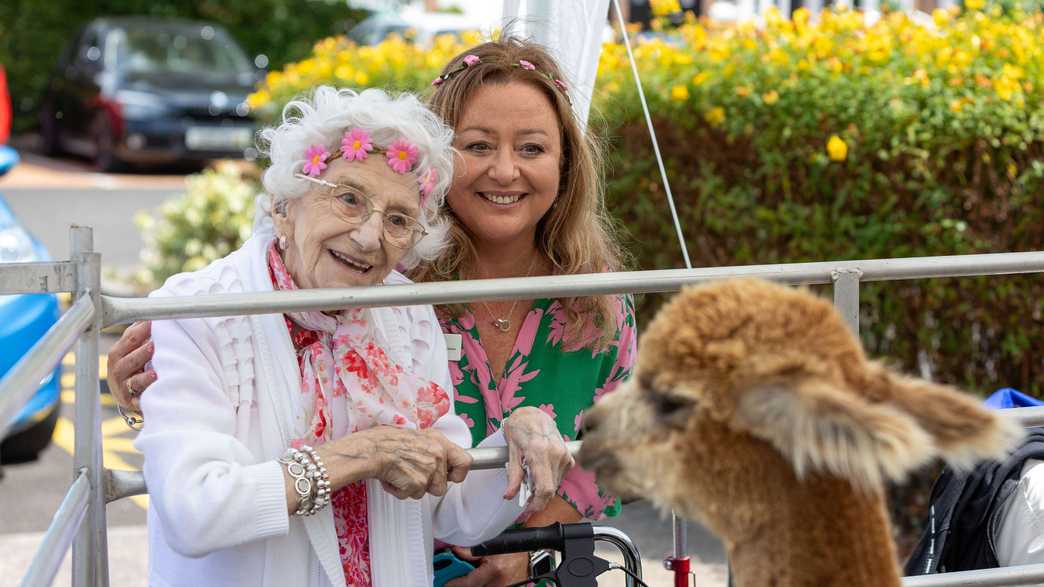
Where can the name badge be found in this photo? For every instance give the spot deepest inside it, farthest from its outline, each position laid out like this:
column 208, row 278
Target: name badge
column 454, row 344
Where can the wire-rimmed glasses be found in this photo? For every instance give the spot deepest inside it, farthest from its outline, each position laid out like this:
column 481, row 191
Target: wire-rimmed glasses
column 355, row 208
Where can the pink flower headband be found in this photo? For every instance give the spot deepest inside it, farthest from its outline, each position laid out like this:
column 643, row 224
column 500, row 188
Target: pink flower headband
column 470, row 60
column 356, row 145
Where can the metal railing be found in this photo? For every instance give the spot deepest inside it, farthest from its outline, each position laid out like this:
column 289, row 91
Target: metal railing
column 82, row 513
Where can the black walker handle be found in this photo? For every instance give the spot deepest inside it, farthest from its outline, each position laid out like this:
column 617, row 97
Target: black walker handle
column 529, row 539
column 579, row 566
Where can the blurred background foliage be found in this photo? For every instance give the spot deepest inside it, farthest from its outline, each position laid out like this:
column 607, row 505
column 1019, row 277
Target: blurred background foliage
column 812, row 141
column 33, row 33
column 212, row 219
column 837, row 140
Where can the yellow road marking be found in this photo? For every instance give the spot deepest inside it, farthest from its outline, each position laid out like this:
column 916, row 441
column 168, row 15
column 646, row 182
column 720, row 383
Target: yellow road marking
column 65, row 438
column 112, row 444
column 69, row 397
column 124, row 445
column 64, row 435
column 69, row 374
column 113, row 426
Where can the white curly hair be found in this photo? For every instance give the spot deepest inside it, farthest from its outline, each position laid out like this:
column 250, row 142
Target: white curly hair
column 323, row 117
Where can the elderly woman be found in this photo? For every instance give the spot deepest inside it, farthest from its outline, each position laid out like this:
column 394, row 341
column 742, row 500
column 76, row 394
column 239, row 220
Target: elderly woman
column 322, row 448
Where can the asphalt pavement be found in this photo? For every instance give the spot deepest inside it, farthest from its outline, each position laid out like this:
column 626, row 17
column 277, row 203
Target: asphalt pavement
column 48, row 196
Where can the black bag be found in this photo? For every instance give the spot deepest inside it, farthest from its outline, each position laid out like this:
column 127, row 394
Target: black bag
column 962, row 513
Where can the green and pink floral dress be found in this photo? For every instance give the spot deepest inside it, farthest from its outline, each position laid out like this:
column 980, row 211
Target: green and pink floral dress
column 561, row 378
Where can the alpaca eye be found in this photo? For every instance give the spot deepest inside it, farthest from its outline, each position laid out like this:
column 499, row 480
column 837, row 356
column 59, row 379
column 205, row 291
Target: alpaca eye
column 667, row 405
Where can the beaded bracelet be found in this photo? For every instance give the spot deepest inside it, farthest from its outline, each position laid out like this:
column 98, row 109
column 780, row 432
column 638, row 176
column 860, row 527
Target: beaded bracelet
column 297, row 466
column 318, row 473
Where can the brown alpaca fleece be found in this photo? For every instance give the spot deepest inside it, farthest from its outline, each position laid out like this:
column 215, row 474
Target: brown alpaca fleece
column 753, row 409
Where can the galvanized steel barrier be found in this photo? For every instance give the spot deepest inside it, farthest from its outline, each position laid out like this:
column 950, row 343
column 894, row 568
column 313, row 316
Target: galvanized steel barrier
column 80, row 520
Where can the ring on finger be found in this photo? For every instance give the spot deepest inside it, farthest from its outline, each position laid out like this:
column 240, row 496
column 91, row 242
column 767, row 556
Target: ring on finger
column 133, row 421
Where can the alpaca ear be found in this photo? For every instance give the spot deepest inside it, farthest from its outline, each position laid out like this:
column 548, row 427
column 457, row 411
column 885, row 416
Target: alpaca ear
column 819, row 428
column 962, row 430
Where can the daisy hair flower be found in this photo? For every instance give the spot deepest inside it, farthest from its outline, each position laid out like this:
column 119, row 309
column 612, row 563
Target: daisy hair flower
column 401, row 154
column 470, row 60
column 315, row 160
column 355, row 145
column 427, row 183
column 526, row 65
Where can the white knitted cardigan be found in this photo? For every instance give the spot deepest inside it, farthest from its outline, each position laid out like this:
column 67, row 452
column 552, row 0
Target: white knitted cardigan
column 218, row 417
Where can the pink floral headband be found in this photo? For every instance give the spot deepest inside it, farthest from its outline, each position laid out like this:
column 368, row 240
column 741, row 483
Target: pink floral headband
column 470, row 60
column 356, row 145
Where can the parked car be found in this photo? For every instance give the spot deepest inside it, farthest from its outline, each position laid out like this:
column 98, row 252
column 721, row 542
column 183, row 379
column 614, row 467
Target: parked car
column 149, row 91
column 23, row 320
column 421, row 28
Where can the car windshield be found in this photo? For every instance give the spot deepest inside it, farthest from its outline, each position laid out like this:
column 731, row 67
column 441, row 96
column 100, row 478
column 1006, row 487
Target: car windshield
column 203, row 51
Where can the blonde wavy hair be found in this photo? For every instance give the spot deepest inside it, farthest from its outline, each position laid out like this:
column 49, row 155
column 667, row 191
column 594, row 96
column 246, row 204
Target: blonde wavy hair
column 576, row 234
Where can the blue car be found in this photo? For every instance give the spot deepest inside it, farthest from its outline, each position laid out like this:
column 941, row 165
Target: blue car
column 23, row 320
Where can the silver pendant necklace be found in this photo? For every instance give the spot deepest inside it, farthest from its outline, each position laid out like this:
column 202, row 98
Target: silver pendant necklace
column 504, row 324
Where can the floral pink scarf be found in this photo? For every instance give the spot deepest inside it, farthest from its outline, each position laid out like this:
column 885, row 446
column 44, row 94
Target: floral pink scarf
column 347, row 356
column 335, row 355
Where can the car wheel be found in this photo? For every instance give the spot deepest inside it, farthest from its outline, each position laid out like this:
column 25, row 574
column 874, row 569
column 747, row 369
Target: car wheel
column 27, row 445
column 105, row 158
column 50, row 142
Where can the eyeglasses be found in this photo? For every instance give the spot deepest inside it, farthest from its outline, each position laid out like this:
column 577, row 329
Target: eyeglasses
column 354, row 208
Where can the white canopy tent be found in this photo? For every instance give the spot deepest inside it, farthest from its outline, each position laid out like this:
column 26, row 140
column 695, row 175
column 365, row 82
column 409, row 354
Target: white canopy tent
column 573, row 31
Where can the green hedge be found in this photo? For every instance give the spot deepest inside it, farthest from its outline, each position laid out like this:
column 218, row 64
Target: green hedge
column 842, row 141
column 33, row 32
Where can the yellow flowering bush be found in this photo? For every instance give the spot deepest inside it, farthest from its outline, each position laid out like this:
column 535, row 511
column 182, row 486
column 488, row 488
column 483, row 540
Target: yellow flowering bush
column 665, row 7
column 394, row 64
column 810, row 141
column 802, row 141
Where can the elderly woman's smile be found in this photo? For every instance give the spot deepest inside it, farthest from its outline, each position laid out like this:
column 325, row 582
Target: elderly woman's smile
column 325, row 248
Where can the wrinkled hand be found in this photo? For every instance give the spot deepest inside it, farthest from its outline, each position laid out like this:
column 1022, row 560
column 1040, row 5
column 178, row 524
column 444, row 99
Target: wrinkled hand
column 533, row 437
column 408, row 463
column 127, row 376
column 492, row 571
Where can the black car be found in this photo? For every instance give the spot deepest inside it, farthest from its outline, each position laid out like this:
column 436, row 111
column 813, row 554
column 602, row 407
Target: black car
column 150, row 91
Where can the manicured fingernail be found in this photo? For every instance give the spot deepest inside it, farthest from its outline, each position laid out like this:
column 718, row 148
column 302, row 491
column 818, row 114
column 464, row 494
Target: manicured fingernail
column 153, row 375
column 152, row 346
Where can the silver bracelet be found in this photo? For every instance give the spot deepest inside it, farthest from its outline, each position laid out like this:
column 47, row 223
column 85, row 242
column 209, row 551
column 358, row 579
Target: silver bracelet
column 318, row 473
column 297, row 466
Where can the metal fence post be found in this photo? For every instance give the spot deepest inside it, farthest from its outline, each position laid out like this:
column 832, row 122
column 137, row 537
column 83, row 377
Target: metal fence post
column 90, row 551
column 846, row 295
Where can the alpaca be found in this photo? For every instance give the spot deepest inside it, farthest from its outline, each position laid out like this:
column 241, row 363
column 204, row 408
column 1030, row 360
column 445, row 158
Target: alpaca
column 753, row 409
